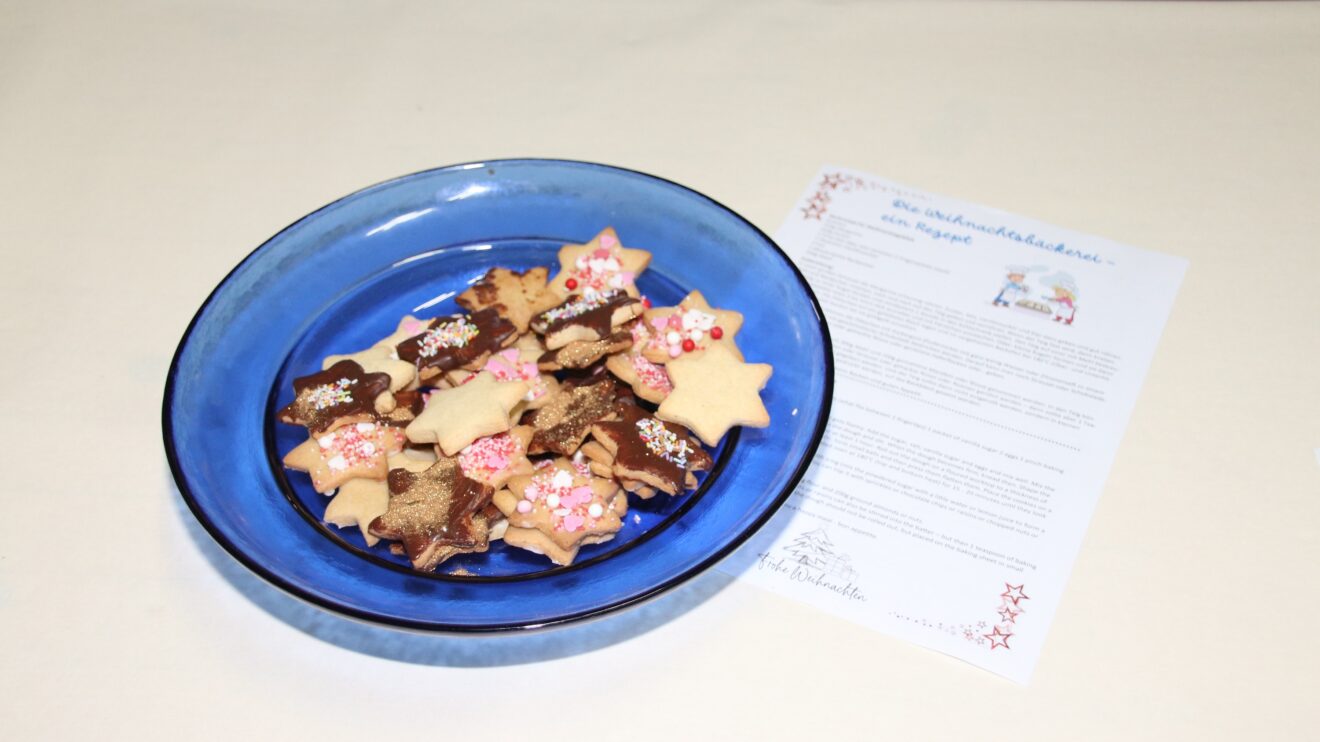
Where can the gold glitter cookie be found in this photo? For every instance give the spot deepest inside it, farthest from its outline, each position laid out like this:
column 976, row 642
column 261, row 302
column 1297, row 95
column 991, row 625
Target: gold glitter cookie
column 435, row 513
column 563, row 423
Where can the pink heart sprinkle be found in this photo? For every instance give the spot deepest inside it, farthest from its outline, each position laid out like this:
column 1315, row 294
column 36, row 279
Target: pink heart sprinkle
column 608, row 241
column 510, row 354
column 660, row 323
column 573, row 522
column 413, row 326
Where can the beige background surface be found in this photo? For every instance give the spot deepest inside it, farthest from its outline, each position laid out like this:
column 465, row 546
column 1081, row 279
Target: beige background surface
column 145, row 149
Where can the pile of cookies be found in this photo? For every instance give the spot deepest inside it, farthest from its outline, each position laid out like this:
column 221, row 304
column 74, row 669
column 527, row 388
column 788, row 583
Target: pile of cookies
column 530, row 417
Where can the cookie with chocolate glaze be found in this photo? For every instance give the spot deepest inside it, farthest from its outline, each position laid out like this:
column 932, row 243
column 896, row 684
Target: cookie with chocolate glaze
column 339, row 395
column 435, row 513
column 583, row 353
column 456, row 341
column 516, row 296
column 360, row 501
column 380, row 359
column 586, row 318
column 566, row 419
column 560, row 508
column 650, row 451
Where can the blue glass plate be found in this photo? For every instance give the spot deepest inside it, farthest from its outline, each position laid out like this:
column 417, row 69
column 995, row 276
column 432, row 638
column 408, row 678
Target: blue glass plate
column 338, row 280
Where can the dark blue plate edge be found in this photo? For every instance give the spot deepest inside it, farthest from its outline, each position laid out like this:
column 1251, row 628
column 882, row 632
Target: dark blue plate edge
column 347, row 611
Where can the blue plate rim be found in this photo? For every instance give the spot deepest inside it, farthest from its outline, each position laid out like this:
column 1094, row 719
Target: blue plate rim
column 432, row 627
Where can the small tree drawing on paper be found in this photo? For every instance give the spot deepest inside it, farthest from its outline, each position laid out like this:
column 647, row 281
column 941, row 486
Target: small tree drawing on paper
column 812, row 549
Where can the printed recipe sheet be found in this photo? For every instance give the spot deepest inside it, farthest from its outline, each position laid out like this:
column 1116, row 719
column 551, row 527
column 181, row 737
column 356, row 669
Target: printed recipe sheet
column 986, row 367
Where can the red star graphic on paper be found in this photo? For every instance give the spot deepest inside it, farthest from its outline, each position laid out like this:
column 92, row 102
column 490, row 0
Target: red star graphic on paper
column 1014, row 593
column 832, row 181
column 998, row 638
column 1008, row 614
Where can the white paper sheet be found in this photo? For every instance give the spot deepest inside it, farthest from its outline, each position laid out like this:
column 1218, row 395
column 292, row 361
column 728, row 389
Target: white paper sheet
column 986, row 367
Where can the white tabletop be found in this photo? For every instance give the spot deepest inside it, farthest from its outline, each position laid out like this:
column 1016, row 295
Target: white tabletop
column 144, row 150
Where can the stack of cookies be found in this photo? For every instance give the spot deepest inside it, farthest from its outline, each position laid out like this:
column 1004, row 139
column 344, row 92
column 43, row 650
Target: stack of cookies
column 531, row 417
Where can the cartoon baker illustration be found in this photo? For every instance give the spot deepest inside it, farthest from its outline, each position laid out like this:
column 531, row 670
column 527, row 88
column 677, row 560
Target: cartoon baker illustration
column 1065, row 297
column 1014, row 287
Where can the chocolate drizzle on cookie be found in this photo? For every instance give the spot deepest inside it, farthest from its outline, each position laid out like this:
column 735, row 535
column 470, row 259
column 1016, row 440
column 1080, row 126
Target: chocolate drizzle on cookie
column 645, row 444
column 408, row 405
column 596, row 313
column 325, row 398
column 436, row 513
column 456, row 341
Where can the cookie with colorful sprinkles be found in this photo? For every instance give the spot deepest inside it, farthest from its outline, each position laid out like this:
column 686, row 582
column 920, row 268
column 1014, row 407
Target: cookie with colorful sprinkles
column 456, row 341
column 340, row 395
column 492, row 460
column 559, row 509
column 531, row 418
column 648, row 380
column 347, row 452
column 689, row 329
column 650, row 451
column 586, row 318
column 601, row 265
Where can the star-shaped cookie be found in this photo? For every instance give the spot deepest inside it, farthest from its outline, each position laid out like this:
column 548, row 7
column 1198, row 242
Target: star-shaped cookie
column 408, row 327
column 715, row 391
column 599, row 265
column 516, row 296
column 650, row 451
column 379, row 359
column 360, row 501
column 563, row 423
column 347, row 452
column 456, row 341
column 648, row 380
column 436, row 513
column 512, row 364
column 559, row 508
column 455, row 417
column 492, row 459
column 689, row 329
column 338, row 395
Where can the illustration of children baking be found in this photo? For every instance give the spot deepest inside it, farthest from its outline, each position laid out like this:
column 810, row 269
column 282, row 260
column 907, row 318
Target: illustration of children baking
column 1065, row 297
column 1014, row 287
